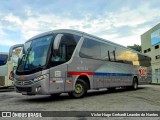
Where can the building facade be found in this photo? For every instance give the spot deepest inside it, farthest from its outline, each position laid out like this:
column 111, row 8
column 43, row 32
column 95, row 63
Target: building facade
column 150, row 42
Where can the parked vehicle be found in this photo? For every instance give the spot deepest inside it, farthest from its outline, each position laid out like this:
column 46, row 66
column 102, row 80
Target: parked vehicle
column 74, row 62
column 5, row 69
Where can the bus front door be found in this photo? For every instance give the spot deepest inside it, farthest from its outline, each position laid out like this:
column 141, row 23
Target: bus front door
column 57, row 79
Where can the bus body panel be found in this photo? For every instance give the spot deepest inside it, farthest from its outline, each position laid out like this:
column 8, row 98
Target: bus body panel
column 4, row 70
column 28, row 84
column 104, row 73
column 58, row 79
column 9, row 69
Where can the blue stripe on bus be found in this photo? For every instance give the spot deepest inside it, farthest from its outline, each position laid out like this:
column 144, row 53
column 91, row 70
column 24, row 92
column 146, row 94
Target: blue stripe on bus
column 111, row 74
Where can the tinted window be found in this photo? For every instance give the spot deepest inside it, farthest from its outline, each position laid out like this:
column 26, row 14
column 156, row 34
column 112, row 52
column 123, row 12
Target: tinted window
column 97, row 50
column 125, row 56
column 155, row 37
column 129, row 57
column 107, row 52
column 3, row 59
column 66, row 48
column 90, row 49
column 104, row 52
column 35, row 54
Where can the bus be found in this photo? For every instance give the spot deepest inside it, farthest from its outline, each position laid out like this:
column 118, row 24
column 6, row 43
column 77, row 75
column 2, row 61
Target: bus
column 5, row 69
column 73, row 62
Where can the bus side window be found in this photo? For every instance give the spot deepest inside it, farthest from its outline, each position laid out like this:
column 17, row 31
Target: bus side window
column 66, row 47
column 68, row 44
column 90, row 49
column 108, row 52
column 125, row 56
column 104, row 51
column 112, row 55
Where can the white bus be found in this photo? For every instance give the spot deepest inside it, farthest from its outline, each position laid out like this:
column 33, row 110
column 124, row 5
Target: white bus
column 5, row 69
column 69, row 61
column 7, row 66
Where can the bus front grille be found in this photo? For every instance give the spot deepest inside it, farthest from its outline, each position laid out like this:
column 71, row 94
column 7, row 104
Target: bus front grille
column 24, row 89
column 24, row 82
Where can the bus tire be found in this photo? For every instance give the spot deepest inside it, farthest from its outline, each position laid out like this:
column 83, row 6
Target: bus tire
column 135, row 84
column 80, row 89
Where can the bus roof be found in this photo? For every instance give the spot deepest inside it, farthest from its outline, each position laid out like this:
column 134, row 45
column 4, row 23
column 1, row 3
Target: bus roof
column 83, row 33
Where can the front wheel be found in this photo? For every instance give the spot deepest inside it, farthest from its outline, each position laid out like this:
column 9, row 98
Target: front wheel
column 135, row 84
column 80, row 89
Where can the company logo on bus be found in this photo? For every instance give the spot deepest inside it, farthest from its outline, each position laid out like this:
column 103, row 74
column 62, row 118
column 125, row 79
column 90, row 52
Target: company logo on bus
column 142, row 72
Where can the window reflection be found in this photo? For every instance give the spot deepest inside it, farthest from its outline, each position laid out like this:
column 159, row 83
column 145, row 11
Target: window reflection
column 155, row 37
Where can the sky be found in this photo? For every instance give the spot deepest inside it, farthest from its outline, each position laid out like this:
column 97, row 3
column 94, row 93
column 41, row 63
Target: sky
column 119, row 21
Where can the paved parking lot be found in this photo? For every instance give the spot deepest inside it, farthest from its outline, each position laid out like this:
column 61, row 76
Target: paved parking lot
column 146, row 98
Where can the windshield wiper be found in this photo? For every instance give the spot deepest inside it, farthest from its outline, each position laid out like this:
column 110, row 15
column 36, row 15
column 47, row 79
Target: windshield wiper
column 27, row 58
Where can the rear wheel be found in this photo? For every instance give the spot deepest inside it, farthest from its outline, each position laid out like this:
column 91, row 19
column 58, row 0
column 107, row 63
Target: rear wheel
column 80, row 89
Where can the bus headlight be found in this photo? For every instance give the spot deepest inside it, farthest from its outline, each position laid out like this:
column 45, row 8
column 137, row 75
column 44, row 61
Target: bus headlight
column 41, row 77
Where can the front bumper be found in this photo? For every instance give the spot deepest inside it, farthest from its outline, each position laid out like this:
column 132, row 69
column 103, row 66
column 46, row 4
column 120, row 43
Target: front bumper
column 29, row 87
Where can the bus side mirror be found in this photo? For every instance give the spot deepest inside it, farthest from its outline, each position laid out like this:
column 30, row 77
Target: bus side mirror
column 57, row 41
column 14, row 47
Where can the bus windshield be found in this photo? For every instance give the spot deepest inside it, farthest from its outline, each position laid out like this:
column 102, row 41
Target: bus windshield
column 35, row 53
column 3, row 59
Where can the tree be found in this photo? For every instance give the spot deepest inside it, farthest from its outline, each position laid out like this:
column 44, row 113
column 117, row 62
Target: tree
column 135, row 47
